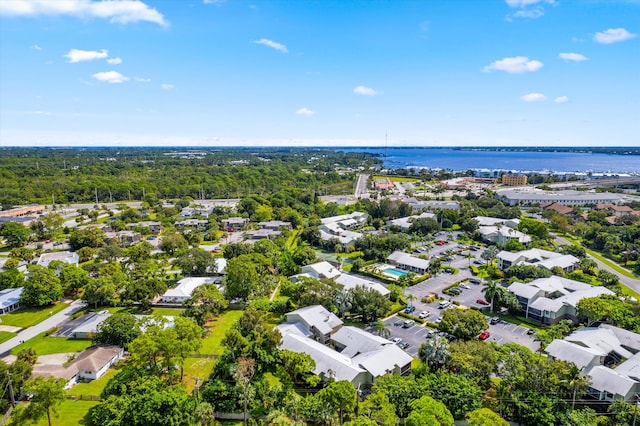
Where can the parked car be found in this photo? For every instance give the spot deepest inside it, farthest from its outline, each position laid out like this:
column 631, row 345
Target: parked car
column 482, row 302
column 396, row 340
column 477, row 262
column 444, row 304
column 429, row 334
column 423, row 314
column 465, row 286
column 494, row 320
column 455, row 291
column 440, row 243
column 484, row 335
column 475, row 281
column 408, row 323
column 530, row 331
column 398, row 323
column 409, row 309
column 437, row 321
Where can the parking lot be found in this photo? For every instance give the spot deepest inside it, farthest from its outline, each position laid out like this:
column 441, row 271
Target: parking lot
column 414, row 335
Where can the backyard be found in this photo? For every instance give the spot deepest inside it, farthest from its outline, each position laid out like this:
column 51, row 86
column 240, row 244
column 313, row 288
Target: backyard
column 46, row 345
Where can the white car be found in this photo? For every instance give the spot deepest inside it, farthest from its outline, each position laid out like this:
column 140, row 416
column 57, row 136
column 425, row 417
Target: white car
column 437, row 321
column 396, row 340
column 465, row 286
column 423, row 314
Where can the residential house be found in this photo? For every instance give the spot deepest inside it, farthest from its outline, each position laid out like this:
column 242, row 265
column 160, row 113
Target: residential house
column 275, row 225
column 608, row 355
column 196, row 224
column 234, row 224
column 347, row 221
column 122, row 238
column 318, row 320
column 353, row 354
column 10, row 299
column 62, row 256
column 409, row 263
column 502, row 235
column 549, row 300
column 261, row 234
column 404, row 223
column 559, row 208
column 616, row 210
column 185, row 288
column 153, row 226
column 90, row 364
column 538, row 257
column 324, row 270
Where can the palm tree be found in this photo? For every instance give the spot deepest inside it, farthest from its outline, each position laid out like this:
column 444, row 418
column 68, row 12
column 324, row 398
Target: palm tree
column 411, row 298
column 379, row 327
column 490, row 290
column 435, row 352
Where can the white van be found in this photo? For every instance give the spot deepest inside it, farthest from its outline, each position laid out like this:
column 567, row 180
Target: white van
column 444, row 304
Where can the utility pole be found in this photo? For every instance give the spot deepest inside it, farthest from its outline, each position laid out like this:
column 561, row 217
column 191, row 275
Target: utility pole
column 96, row 195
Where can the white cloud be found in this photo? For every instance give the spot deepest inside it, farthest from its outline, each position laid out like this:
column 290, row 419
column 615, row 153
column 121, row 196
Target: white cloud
column 561, row 99
column 35, row 47
column 305, row 111
column 76, row 55
column 576, row 57
column 534, row 97
column 525, row 3
column 119, row 12
column 515, row 65
column 110, row 77
column 216, row 2
column 613, row 35
column 166, row 86
column 142, row 79
column 366, row 91
column 114, row 61
column 272, row 44
column 534, row 13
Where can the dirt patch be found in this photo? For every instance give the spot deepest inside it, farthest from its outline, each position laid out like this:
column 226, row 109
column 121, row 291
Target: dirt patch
column 10, row 328
column 55, row 359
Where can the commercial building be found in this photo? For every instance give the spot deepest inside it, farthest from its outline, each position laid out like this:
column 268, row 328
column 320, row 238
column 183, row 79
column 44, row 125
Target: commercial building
column 532, row 196
column 514, row 180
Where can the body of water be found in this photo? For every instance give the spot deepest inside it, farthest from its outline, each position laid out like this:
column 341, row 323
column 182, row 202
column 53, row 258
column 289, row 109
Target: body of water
column 525, row 161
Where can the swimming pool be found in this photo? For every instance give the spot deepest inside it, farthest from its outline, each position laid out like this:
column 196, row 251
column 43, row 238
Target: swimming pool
column 396, row 272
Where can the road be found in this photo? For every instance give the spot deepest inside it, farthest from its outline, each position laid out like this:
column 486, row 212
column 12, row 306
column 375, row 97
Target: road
column 632, row 283
column 45, row 325
column 361, row 187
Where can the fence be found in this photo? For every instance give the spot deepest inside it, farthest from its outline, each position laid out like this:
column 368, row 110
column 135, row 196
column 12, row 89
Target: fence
column 6, row 416
column 84, row 397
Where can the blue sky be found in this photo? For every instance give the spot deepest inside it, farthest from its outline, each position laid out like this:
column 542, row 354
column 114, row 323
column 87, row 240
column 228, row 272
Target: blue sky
column 427, row 73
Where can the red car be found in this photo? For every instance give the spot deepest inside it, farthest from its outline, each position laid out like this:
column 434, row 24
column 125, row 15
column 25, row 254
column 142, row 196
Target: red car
column 482, row 302
column 484, row 335
column 440, row 243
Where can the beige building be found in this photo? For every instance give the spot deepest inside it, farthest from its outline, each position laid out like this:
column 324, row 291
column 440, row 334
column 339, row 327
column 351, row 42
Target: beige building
column 514, row 180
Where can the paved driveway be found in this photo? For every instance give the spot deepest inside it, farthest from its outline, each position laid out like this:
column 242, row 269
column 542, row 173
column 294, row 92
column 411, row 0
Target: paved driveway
column 414, row 335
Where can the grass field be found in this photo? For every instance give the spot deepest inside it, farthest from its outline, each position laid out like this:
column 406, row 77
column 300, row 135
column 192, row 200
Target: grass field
column 172, row 312
column 27, row 317
column 94, row 387
column 217, row 329
column 197, row 368
column 70, row 413
column 45, row 345
column 395, row 178
column 6, row 335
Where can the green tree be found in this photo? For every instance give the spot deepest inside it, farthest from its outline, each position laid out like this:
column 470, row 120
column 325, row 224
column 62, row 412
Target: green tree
column 119, row 329
column 458, row 393
column 464, row 324
column 171, row 243
column 435, row 352
column 205, row 302
column 73, row 278
column 100, row 292
column 485, row 417
column 47, row 395
column 368, row 303
column 378, row 408
column 241, row 278
column 341, row 396
column 399, row 391
column 15, row 234
column 196, row 262
column 41, row 288
column 426, row 411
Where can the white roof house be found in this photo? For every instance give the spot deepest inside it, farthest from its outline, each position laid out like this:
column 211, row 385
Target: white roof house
column 405, row 222
column 493, row 221
column 407, row 262
column 10, row 299
column 583, row 357
column 347, row 221
column 317, row 319
column 185, row 287
column 537, row 257
column 549, row 300
column 348, row 281
column 324, row 269
column 63, row 256
column 320, row 270
column 501, row 235
column 358, row 357
column 590, row 348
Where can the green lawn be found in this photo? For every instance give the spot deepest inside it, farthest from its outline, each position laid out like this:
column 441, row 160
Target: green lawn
column 46, row 345
column 217, row 329
column 173, row 312
column 27, row 317
column 6, row 335
column 197, row 368
column 395, row 178
column 70, row 413
column 601, row 258
column 94, row 387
